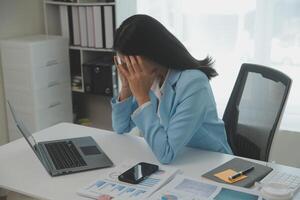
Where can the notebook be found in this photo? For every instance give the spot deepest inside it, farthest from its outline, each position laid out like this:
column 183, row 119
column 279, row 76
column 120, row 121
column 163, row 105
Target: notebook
column 238, row 164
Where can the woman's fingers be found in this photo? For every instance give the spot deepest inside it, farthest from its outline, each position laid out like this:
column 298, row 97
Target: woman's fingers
column 129, row 65
column 141, row 62
column 123, row 70
column 118, row 65
column 120, row 72
column 135, row 64
column 132, row 65
column 115, row 61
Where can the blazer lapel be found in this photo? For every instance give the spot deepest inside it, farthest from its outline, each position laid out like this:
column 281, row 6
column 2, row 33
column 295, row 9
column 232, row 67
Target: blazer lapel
column 168, row 95
column 154, row 100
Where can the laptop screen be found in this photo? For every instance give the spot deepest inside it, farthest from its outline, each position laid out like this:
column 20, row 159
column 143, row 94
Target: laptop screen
column 24, row 131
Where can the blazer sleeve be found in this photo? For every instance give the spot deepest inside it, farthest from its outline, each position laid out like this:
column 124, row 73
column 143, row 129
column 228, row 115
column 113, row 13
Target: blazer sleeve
column 166, row 143
column 121, row 115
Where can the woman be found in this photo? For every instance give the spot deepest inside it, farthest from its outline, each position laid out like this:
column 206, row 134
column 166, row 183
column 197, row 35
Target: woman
column 165, row 91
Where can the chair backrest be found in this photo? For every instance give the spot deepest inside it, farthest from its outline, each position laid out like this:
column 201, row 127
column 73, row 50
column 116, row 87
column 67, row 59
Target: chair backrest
column 254, row 110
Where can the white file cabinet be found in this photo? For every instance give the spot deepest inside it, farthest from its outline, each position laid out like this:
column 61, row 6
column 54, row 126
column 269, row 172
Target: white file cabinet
column 36, row 75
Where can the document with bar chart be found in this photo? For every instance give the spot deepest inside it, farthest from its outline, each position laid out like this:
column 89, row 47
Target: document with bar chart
column 186, row 188
column 111, row 186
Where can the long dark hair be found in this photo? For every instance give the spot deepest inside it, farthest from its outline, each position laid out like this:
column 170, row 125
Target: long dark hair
column 145, row 36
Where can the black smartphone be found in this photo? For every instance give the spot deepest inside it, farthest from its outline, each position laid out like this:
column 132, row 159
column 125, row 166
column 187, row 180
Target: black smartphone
column 138, row 173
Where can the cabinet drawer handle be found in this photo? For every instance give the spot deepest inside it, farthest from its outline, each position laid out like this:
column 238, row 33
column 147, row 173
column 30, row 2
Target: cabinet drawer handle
column 51, row 63
column 53, row 83
column 54, row 104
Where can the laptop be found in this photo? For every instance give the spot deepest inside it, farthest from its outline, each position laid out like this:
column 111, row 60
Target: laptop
column 60, row 157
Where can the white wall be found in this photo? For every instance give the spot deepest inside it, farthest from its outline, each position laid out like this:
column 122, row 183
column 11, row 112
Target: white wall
column 286, row 148
column 125, row 9
column 17, row 18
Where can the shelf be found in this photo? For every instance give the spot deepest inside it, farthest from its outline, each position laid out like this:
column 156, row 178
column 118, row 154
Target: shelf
column 91, row 49
column 85, row 104
column 77, row 90
column 79, row 4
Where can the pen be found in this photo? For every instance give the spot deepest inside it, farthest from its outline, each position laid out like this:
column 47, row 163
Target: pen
column 240, row 173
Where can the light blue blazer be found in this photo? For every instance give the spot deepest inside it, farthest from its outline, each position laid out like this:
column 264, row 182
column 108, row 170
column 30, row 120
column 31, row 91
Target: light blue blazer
column 187, row 117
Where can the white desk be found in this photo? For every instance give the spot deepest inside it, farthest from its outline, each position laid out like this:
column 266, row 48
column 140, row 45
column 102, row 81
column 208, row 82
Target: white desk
column 21, row 171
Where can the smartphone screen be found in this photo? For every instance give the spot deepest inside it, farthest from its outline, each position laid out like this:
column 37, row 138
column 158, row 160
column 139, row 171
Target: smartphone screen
column 138, row 173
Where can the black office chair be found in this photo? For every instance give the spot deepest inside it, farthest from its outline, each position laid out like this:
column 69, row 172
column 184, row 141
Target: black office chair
column 254, row 110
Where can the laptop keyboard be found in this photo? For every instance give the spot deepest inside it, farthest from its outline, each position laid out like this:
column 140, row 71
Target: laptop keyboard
column 64, row 155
